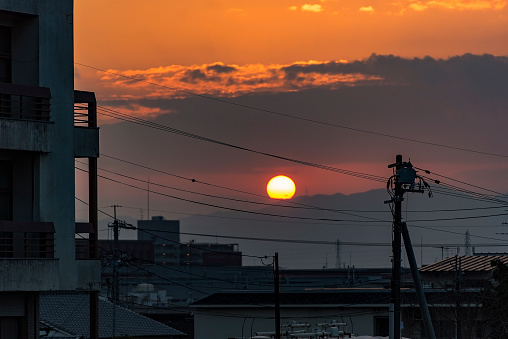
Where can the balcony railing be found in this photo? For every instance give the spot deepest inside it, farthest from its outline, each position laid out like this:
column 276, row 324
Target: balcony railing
column 85, row 109
column 86, row 245
column 27, row 239
column 24, row 102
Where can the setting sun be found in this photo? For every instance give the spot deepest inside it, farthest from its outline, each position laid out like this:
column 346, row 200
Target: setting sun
column 281, row 187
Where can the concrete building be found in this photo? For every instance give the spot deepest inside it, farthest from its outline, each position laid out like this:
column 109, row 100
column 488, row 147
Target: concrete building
column 41, row 134
column 165, row 235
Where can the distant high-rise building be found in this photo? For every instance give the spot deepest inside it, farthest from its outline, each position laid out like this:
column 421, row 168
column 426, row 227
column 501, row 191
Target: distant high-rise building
column 165, row 235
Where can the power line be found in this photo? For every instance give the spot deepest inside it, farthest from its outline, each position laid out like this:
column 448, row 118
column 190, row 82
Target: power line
column 290, row 201
column 230, row 208
column 147, row 123
column 296, row 117
column 294, row 205
column 289, row 216
column 331, row 243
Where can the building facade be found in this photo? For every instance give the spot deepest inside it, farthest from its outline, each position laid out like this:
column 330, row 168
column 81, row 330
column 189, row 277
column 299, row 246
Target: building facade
column 165, row 236
column 41, row 135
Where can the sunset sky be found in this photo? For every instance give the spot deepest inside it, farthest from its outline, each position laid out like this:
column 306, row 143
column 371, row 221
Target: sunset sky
column 347, row 84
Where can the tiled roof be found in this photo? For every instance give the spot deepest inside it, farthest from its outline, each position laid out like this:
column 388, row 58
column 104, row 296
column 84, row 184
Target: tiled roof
column 71, row 311
column 468, row 263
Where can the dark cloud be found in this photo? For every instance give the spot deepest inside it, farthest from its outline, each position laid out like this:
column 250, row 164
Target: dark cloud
column 221, row 68
column 459, row 102
column 483, row 72
column 193, row 75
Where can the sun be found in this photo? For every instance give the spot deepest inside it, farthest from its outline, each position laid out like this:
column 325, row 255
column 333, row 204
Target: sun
column 281, row 187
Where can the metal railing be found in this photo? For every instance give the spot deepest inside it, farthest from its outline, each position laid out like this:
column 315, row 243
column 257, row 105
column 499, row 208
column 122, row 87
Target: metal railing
column 85, row 109
column 86, row 246
column 24, row 102
column 27, row 239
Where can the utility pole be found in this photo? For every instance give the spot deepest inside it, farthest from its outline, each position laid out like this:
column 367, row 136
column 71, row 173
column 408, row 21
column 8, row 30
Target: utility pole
column 116, row 224
column 401, row 182
column 396, row 248
column 116, row 284
column 458, row 288
column 277, row 294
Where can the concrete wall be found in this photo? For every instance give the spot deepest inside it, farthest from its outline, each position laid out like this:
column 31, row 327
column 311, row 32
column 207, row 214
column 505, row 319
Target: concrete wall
column 86, row 142
column 43, row 55
column 26, row 135
column 56, row 71
column 28, row 275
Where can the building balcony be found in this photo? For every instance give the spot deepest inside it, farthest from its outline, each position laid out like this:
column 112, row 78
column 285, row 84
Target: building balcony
column 32, row 240
column 25, row 118
column 86, row 132
column 88, row 266
column 27, row 258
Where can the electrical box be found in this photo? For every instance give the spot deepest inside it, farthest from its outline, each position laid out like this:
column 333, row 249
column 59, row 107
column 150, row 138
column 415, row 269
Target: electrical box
column 407, row 175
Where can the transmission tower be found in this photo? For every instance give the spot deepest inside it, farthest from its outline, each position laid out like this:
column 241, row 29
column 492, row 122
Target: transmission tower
column 338, row 260
column 467, row 244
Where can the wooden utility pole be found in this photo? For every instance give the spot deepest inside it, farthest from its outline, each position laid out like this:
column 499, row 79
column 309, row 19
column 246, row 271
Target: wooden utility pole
column 403, row 181
column 277, row 295
column 396, row 249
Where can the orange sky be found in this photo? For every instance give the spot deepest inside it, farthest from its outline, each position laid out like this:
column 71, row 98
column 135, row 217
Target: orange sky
column 128, row 34
column 248, row 52
column 163, row 41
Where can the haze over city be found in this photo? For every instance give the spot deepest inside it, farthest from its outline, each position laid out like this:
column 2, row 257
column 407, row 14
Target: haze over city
column 232, row 93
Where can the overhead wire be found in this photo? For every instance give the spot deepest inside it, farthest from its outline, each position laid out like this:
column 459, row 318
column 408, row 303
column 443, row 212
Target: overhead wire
column 290, row 201
column 479, row 197
column 294, row 205
column 231, row 208
column 224, row 101
column 290, row 216
column 326, row 242
column 151, row 124
column 172, row 281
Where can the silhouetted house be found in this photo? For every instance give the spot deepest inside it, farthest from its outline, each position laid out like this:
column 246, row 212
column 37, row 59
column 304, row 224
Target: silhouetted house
column 66, row 315
column 41, row 134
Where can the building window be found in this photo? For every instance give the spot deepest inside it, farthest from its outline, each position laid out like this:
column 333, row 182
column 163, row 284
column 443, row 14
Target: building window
column 5, row 54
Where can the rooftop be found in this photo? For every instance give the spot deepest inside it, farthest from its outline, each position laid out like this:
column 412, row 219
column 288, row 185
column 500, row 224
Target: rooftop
column 468, row 263
column 70, row 311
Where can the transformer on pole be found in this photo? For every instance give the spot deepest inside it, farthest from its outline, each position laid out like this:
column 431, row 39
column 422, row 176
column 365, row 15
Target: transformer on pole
column 402, row 181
